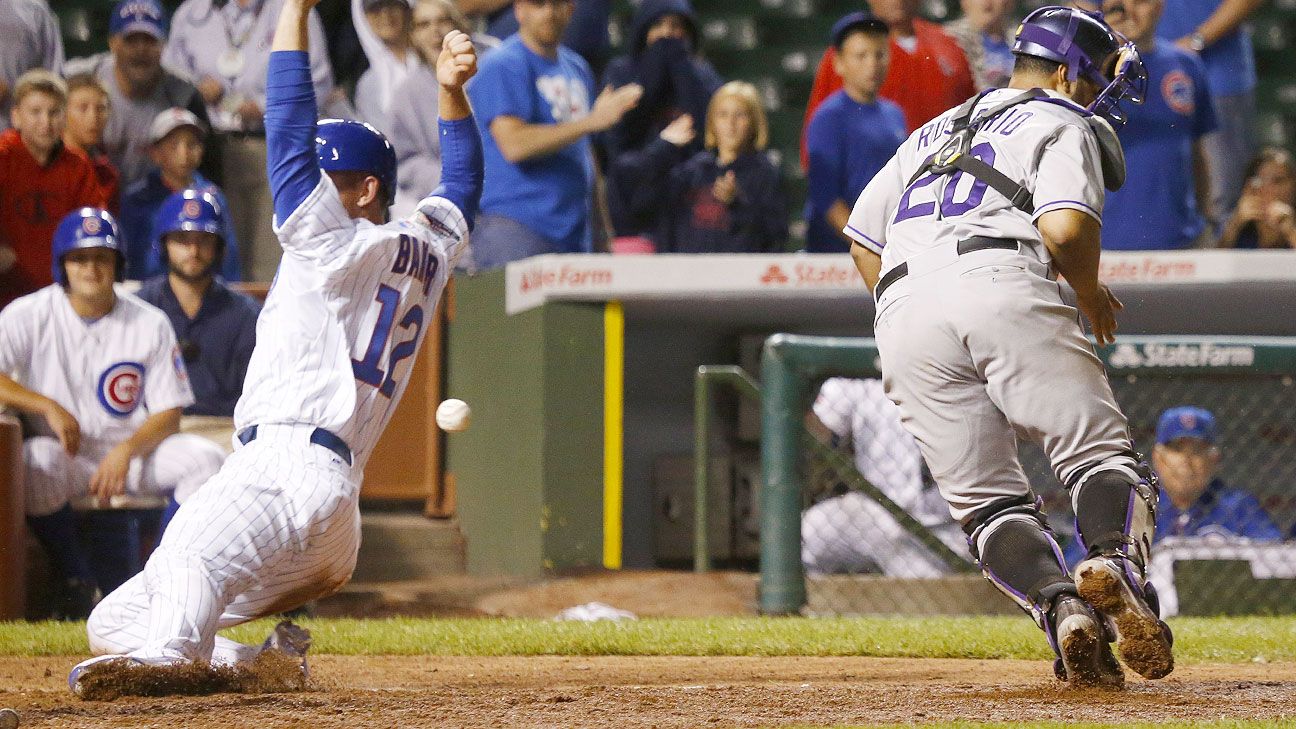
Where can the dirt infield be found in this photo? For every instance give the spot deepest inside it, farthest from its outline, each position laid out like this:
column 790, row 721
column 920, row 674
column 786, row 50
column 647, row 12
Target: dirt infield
column 662, row 692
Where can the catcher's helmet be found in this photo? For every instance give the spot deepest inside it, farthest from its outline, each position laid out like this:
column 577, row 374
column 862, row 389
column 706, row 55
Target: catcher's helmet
column 1090, row 49
column 189, row 210
column 87, row 228
column 352, row 146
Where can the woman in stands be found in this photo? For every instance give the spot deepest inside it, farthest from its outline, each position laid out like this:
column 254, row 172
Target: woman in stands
column 1263, row 217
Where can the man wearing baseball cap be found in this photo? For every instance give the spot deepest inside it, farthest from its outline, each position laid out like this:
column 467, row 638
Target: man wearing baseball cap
column 176, row 139
column 1195, row 502
column 139, row 88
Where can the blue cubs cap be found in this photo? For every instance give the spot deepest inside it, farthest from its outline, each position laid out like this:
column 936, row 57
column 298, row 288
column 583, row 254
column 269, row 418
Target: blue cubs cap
column 858, row 20
column 138, row 16
column 1186, row 422
column 354, row 146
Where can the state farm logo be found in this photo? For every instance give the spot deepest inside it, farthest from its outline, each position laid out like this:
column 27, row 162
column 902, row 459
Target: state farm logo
column 567, row 277
column 1128, row 356
column 774, row 275
column 1147, row 269
column 813, row 275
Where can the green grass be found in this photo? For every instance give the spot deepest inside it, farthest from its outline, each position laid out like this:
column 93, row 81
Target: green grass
column 1227, row 640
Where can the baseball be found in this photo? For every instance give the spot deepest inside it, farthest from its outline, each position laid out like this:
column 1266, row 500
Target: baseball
column 8, row 719
column 453, row 415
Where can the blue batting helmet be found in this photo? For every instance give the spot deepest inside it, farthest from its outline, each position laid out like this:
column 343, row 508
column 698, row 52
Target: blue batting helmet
column 190, row 209
column 87, row 228
column 1090, row 49
column 351, row 146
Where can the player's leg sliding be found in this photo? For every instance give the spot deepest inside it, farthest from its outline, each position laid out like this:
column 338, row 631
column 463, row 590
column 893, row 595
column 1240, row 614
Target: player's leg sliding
column 1018, row 554
column 1115, row 505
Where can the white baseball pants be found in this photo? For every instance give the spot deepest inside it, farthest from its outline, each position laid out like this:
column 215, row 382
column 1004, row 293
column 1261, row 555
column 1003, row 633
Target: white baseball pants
column 181, row 462
column 279, row 526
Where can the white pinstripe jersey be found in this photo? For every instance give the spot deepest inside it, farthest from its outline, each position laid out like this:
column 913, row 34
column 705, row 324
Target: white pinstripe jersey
column 111, row 373
column 1044, row 145
column 346, row 315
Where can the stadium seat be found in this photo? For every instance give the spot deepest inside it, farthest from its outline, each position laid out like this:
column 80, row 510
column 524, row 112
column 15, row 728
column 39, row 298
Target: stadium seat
column 730, row 31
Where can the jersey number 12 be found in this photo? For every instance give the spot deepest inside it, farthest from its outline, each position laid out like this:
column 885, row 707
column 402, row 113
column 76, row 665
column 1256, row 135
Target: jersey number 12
column 368, row 370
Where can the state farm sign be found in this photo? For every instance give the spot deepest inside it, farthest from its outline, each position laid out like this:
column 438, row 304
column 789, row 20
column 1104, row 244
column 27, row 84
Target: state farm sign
column 566, row 277
column 829, row 273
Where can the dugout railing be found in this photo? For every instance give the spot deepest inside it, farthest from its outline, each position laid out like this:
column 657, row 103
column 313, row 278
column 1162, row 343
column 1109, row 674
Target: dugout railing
column 1247, row 382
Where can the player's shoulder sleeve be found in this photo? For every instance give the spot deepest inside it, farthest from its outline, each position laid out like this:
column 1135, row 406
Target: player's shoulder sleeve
column 320, row 227
column 19, row 324
column 166, row 381
column 871, row 213
column 1069, row 175
column 444, row 225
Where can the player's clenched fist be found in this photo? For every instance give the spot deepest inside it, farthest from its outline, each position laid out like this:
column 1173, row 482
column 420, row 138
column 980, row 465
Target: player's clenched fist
column 458, row 60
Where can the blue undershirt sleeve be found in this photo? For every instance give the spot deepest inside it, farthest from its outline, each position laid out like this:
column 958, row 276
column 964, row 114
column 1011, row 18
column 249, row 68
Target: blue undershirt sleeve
column 461, row 166
column 290, row 123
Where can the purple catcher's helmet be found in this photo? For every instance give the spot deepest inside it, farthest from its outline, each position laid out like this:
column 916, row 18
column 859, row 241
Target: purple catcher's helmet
column 87, row 228
column 1090, row 49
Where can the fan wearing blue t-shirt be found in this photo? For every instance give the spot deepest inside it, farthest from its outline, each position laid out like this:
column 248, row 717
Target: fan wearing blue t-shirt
column 531, row 99
column 852, row 134
column 1217, row 31
column 1166, row 197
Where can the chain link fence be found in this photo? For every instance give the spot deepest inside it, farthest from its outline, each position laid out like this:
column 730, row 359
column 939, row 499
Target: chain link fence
column 876, row 536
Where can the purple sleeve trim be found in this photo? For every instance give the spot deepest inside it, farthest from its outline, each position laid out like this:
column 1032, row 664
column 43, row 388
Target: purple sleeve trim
column 1074, row 204
column 864, row 240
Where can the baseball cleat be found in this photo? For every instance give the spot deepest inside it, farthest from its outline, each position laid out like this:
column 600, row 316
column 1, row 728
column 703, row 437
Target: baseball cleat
column 1085, row 656
column 1144, row 641
column 291, row 640
column 88, row 667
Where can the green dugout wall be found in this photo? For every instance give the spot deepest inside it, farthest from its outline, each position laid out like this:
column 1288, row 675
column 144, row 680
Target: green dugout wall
column 538, row 475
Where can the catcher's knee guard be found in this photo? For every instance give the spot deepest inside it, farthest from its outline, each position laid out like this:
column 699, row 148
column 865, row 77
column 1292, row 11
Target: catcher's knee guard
column 1115, row 506
column 1015, row 549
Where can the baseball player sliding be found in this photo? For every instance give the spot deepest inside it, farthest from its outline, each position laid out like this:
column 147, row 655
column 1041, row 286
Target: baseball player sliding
column 279, row 525
column 960, row 237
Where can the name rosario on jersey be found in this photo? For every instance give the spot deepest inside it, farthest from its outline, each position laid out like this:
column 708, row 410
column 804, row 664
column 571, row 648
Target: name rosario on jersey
column 1004, row 125
column 415, row 259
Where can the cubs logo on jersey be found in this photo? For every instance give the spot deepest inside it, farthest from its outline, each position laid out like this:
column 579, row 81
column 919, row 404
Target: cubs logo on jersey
column 1177, row 88
column 121, row 388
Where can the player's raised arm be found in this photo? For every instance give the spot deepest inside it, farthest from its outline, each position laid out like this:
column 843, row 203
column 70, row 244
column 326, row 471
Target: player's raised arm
column 291, row 112
column 461, row 147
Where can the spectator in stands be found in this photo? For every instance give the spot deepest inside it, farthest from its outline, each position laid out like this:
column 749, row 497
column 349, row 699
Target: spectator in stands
column 853, row 533
column 928, row 72
column 139, row 88
column 1165, row 201
column 215, row 327
column 1263, row 217
column 853, row 133
column 985, row 33
column 413, row 121
column 532, row 102
column 225, row 46
column 31, row 40
column 664, row 60
column 587, row 33
column 384, row 28
column 1194, row 500
column 1217, row 30
column 40, row 182
column 176, row 143
column 88, row 114
column 727, row 198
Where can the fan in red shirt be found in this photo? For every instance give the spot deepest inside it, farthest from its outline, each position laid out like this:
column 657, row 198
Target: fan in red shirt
column 928, row 72
column 40, row 182
column 88, row 108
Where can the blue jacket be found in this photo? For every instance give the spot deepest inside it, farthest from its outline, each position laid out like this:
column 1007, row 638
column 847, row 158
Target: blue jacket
column 693, row 221
column 140, row 204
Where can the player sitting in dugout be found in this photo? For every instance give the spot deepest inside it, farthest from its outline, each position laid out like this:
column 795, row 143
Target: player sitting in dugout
column 1194, row 501
column 98, row 373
